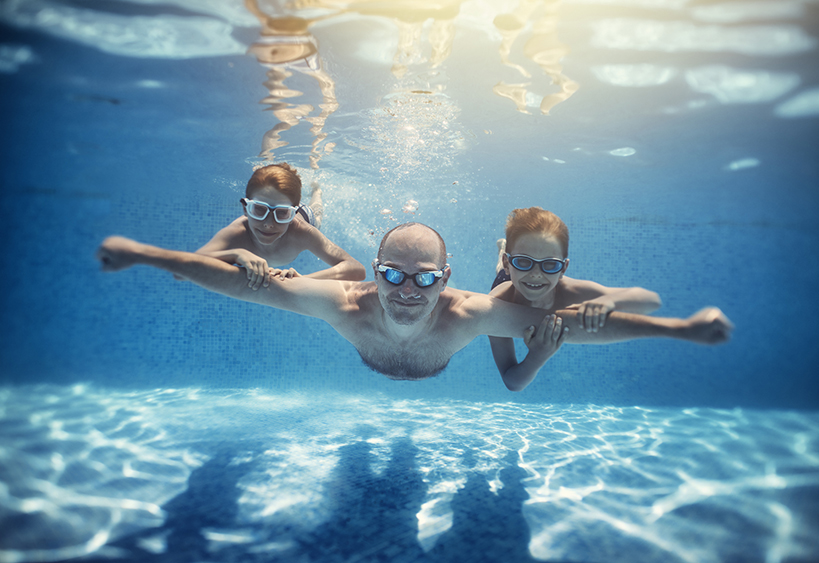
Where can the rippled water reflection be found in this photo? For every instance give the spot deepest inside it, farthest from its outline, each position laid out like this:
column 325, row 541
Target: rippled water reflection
column 312, row 477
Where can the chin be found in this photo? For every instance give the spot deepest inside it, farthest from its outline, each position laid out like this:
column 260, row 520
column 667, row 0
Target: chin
column 402, row 317
column 267, row 241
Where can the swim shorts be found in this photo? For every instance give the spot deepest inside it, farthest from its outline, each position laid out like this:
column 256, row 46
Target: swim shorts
column 500, row 278
column 307, row 214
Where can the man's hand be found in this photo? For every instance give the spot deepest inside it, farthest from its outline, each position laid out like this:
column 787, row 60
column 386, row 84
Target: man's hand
column 117, row 253
column 592, row 314
column 546, row 339
column 709, row 326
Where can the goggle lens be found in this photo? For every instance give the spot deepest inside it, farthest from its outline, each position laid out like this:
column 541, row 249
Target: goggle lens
column 395, row 277
column 523, row 264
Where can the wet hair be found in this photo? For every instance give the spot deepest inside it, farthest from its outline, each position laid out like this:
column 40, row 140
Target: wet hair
column 403, row 226
column 536, row 220
column 282, row 177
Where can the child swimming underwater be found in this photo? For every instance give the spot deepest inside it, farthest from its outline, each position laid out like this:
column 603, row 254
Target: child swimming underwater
column 531, row 270
column 275, row 229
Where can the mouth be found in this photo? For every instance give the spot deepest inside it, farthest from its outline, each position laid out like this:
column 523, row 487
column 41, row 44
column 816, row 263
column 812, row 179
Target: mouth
column 265, row 234
column 407, row 302
column 534, row 286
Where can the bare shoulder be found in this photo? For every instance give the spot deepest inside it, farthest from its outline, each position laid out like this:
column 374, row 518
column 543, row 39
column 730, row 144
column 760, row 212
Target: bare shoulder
column 237, row 227
column 573, row 291
column 465, row 304
column 330, row 300
column 356, row 311
column 303, row 236
column 234, row 235
column 306, row 236
column 359, row 296
column 504, row 291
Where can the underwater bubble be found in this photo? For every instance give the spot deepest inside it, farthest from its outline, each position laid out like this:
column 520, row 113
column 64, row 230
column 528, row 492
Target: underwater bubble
column 13, row 56
column 625, row 151
column 385, row 211
column 411, row 206
column 744, row 11
column 743, row 163
column 634, row 76
column 805, row 104
column 736, row 86
column 680, row 37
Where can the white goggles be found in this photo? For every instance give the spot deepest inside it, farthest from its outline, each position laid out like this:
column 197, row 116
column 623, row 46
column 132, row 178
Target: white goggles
column 259, row 210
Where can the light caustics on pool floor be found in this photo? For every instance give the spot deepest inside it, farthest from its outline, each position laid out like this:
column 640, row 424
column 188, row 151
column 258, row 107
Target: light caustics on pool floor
column 83, row 466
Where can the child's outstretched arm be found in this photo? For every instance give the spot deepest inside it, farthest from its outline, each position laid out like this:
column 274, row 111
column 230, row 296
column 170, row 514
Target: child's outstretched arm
column 342, row 265
column 543, row 341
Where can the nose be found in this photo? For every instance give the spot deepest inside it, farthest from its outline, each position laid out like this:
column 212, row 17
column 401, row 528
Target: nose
column 407, row 289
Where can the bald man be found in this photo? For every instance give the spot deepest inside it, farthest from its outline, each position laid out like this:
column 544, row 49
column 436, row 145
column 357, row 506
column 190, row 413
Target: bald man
column 406, row 324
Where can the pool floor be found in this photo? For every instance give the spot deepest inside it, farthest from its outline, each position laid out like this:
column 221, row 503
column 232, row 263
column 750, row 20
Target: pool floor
column 220, row 475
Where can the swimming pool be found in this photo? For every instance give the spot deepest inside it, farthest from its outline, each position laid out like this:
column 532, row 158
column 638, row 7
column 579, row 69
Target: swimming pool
column 145, row 419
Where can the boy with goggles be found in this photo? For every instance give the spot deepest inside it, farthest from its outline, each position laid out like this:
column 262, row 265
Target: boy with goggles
column 531, row 270
column 275, row 229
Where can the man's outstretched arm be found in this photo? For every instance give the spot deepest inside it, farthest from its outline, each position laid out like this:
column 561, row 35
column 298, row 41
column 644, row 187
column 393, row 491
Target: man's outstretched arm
column 707, row 326
column 495, row 317
column 315, row 298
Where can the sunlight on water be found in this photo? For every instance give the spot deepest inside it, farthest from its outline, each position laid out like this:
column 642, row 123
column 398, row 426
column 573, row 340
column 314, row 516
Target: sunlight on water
column 82, row 466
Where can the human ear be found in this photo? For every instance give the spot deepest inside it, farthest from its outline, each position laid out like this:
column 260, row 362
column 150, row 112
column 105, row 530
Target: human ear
column 445, row 278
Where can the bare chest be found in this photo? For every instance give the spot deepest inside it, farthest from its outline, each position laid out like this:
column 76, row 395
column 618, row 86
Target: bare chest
column 417, row 360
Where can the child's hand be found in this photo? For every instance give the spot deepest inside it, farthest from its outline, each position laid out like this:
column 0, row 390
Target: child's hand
column 255, row 268
column 592, row 314
column 282, row 274
column 547, row 338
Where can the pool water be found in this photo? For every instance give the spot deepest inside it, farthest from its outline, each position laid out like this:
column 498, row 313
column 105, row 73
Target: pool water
column 144, row 419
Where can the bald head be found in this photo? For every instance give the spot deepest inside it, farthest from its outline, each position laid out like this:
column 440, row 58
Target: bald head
column 409, row 237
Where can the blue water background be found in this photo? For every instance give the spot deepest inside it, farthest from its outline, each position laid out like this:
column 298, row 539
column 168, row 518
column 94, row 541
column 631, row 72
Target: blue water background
column 89, row 152
column 144, row 419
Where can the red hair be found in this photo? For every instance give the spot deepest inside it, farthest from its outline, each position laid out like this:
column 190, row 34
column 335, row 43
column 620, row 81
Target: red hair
column 282, row 177
column 536, row 220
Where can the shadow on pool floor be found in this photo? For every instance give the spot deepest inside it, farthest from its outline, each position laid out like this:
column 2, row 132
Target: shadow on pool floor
column 373, row 517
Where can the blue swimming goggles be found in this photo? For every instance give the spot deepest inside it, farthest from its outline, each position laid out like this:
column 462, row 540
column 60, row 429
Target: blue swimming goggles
column 421, row 279
column 259, row 210
column 525, row 263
